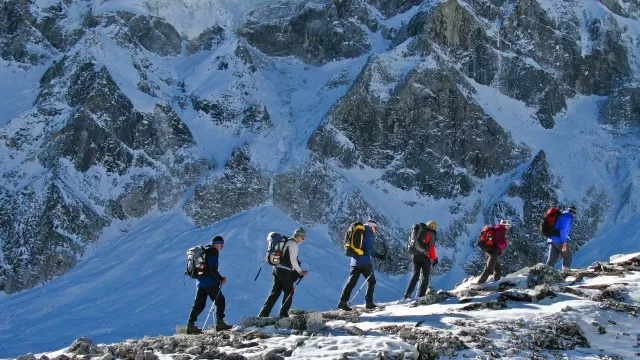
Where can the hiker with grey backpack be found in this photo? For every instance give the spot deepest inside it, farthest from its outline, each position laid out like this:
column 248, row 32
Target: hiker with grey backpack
column 358, row 245
column 202, row 265
column 421, row 246
column 282, row 254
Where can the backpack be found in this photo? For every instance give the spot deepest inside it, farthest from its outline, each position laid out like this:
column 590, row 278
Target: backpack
column 416, row 239
column 196, row 262
column 275, row 248
column 547, row 225
column 354, row 239
column 487, row 236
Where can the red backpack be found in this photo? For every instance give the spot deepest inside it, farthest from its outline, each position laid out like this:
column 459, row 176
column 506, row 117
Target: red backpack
column 487, row 236
column 547, row 225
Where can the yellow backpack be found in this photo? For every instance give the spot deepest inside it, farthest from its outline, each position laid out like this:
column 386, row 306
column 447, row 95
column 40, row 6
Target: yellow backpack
column 354, row 240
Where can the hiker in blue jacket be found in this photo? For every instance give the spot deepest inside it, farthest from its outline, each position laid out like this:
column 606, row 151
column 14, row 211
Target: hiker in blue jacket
column 209, row 285
column 558, row 243
column 361, row 265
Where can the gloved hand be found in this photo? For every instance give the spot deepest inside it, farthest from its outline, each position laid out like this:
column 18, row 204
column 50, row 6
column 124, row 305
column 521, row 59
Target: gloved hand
column 434, row 262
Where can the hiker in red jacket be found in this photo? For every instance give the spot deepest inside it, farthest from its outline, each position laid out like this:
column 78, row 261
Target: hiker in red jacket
column 423, row 253
column 493, row 243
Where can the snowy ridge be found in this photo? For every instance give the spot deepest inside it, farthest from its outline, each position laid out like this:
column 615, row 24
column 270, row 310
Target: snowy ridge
column 591, row 313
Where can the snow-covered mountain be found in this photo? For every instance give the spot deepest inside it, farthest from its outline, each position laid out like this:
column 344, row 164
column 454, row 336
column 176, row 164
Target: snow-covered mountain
column 132, row 130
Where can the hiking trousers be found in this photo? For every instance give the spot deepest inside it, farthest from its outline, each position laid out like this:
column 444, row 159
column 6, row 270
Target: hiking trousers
column 492, row 267
column 354, row 275
column 201, row 301
column 421, row 264
column 282, row 282
column 555, row 251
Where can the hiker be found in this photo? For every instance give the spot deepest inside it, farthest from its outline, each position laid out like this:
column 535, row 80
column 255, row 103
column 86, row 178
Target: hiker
column 558, row 243
column 422, row 248
column 361, row 265
column 284, row 275
column 209, row 284
column 493, row 240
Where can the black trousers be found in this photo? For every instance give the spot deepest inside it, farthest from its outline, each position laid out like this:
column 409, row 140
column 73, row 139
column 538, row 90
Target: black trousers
column 421, row 264
column 492, row 267
column 354, row 275
column 282, row 282
column 201, row 301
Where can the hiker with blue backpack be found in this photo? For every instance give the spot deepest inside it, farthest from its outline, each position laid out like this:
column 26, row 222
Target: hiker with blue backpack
column 558, row 239
column 203, row 266
column 358, row 245
column 283, row 255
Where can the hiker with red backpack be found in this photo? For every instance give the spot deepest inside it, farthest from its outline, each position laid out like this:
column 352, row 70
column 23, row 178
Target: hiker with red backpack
column 209, row 283
column 557, row 239
column 493, row 241
column 421, row 246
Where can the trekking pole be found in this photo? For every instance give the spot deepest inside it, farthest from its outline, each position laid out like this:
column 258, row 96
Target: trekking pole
column 290, row 295
column 259, row 270
column 211, row 309
column 360, row 288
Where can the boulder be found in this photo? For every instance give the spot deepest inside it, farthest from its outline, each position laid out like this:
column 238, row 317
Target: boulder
column 543, row 274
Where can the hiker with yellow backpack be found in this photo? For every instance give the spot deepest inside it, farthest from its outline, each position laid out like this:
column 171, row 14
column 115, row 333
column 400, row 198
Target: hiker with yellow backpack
column 358, row 245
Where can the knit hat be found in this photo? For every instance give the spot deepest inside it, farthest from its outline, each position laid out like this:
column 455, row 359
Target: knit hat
column 299, row 232
column 217, row 240
column 572, row 209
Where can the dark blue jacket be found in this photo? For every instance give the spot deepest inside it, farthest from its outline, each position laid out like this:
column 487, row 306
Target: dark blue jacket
column 367, row 246
column 212, row 277
column 563, row 224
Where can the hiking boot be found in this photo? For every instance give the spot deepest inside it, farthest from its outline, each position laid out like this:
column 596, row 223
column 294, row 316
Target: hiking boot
column 370, row 305
column 221, row 325
column 192, row 329
column 343, row 306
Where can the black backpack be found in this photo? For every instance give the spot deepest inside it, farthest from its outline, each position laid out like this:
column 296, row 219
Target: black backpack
column 416, row 239
column 196, row 262
column 354, row 239
column 548, row 223
column 275, row 248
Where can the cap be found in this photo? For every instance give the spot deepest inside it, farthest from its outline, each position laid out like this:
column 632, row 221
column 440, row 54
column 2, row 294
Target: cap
column 372, row 222
column 432, row 225
column 299, row 232
column 217, row 240
column 572, row 209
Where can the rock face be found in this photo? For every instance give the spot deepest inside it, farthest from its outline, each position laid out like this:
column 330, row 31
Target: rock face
column 435, row 151
column 314, row 33
column 240, row 188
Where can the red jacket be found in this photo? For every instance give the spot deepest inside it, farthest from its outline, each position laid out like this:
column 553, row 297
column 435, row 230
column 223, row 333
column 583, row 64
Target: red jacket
column 430, row 244
column 500, row 239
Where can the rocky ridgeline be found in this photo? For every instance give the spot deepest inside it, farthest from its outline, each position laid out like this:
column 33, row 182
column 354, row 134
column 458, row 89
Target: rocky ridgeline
column 467, row 336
